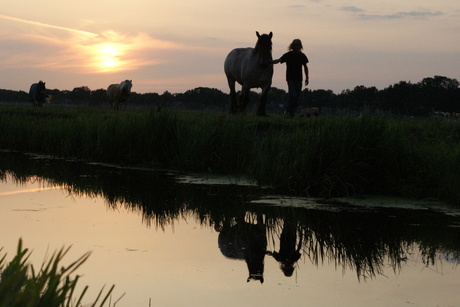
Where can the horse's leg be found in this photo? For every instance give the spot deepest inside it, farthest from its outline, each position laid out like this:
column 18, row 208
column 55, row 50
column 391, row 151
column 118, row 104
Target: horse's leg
column 263, row 101
column 231, row 85
column 244, row 98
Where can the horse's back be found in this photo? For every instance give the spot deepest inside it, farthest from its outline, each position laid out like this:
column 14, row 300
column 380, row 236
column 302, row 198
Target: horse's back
column 234, row 61
column 237, row 55
column 111, row 90
column 33, row 90
column 111, row 87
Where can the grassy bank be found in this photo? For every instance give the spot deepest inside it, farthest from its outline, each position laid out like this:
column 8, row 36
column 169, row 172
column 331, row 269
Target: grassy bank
column 325, row 156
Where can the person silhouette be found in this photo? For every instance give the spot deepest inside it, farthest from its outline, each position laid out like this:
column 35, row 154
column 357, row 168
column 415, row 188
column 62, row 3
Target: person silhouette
column 295, row 59
column 289, row 252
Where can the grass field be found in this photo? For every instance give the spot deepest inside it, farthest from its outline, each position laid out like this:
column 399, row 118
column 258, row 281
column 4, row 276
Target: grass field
column 324, row 156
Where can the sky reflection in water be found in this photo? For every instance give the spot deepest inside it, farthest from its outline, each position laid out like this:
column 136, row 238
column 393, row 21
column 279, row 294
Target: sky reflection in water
column 155, row 238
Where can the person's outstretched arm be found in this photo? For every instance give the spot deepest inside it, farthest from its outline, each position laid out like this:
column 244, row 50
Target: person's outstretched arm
column 306, row 75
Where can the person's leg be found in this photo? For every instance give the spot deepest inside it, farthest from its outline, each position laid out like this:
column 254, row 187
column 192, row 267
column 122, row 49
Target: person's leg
column 287, row 111
column 295, row 88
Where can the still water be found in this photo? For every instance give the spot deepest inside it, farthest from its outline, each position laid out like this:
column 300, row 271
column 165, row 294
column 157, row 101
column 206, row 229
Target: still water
column 169, row 240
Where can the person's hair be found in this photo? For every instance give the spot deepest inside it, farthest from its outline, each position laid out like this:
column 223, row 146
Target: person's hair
column 296, row 45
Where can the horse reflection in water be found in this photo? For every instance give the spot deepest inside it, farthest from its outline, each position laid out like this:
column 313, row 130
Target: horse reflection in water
column 290, row 247
column 239, row 239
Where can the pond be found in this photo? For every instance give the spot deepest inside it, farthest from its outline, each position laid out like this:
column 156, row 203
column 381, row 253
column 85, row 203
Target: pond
column 166, row 239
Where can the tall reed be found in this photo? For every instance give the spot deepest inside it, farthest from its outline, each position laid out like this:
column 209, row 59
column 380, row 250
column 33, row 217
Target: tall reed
column 325, row 156
column 51, row 286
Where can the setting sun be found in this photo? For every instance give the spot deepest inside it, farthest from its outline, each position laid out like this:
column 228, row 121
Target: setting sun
column 108, row 57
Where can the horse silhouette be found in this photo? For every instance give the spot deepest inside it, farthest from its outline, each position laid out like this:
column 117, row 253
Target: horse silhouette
column 247, row 241
column 251, row 68
column 119, row 93
column 37, row 93
column 310, row 112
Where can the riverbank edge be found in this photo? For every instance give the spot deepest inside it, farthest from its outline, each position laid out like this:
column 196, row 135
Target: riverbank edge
column 325, row 157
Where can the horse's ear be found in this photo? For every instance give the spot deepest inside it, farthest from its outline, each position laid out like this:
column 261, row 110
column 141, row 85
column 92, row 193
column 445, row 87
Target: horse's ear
column 258, row 35
column 270, row 35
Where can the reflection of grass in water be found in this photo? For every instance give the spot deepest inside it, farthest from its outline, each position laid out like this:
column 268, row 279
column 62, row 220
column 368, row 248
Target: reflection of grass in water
column 368, row 259
column 324, row 156
column 364, row 240
column 368, row 242
column 52, row 285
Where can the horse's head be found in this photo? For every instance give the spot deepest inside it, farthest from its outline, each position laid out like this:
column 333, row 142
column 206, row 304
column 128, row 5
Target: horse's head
column 41, row 85
column 126, row 86
column 41, row 89
column 256, row 277
column 263, row 49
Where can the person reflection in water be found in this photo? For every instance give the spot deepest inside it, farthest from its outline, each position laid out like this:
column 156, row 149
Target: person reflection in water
column 289, row 252
column 248, row 241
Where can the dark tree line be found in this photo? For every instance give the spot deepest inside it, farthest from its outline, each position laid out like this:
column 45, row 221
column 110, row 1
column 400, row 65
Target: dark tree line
column 432, row 94
column 404, row 98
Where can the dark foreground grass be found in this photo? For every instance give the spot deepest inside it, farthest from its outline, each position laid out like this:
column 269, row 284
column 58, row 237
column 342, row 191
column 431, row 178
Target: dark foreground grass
column 325, row 156
column 21, row 285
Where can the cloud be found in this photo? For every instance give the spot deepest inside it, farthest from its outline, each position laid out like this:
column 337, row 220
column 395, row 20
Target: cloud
column 40, row 24
column 362, row 14
column 353, row 9
column 53, row 47
column 402, row 15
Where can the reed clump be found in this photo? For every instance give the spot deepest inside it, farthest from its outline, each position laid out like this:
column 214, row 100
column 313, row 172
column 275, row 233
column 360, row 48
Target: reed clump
column 324, row 156
column 52, row 285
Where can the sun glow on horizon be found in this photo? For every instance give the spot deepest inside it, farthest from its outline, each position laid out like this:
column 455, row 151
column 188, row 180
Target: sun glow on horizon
column 83, row 52
column 108, row 57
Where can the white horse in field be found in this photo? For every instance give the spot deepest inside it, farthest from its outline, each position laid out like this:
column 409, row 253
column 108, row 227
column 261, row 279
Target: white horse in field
column 119, row 93
column 309, row 112
column 37, row 94
column 252, row 68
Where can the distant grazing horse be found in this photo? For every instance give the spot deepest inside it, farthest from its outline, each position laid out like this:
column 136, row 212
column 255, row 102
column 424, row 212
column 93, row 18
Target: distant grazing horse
column 37, row 94
column 252, row 68
column 119, row 93
column 309, row 112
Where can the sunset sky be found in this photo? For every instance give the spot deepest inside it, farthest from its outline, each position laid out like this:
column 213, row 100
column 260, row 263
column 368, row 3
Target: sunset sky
column 172, row 45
